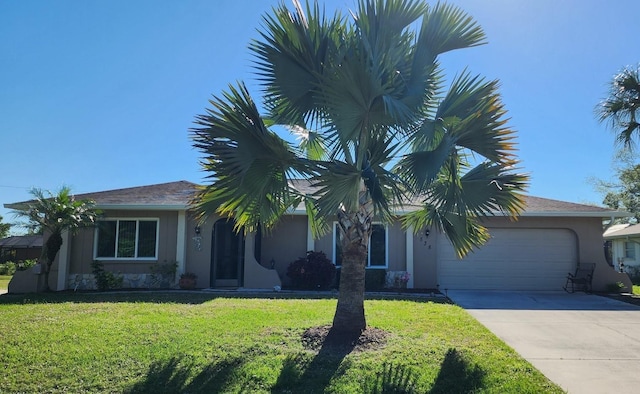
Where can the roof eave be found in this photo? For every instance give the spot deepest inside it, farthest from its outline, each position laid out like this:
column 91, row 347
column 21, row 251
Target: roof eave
column 141, row 207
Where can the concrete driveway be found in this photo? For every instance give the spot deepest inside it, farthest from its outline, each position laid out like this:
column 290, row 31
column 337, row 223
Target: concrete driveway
column 584, row 343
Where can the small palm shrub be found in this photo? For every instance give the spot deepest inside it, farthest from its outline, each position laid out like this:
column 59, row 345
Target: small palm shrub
column 312, row 272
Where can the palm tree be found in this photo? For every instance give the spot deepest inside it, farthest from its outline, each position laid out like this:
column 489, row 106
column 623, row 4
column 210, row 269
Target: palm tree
column 4, row 228
column 53, row 214
column 365, row 98
column 620, row 107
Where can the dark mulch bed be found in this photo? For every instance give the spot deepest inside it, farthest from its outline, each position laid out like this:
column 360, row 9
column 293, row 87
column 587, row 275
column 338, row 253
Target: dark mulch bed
column 626, row 297
column 370, row 339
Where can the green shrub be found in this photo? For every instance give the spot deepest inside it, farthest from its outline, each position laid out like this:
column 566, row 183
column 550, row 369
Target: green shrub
column 25, row 264
column 616, row 287
column 10, row 268
column 7, row 268
column 105, row 280
column 164, row 274
column 634, row 274
column 312, row 272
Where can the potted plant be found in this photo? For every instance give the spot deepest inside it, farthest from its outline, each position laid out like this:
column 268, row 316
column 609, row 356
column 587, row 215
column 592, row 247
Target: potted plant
column 188, row 281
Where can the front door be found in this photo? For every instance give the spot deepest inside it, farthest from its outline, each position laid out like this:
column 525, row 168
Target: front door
column 227, row 255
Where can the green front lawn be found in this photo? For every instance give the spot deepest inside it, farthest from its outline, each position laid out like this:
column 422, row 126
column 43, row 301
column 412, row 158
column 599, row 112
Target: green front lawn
column 636, row 289
column 4, row 282
column 197, row 343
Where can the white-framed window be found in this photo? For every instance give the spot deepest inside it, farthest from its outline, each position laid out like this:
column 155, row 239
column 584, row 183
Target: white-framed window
column 377, row 256
column 127, row 239
column 630, row 250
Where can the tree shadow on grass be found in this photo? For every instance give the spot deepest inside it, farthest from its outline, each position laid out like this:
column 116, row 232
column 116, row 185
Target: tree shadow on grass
column 304, row 372
column 457, row 375
column 176, row 376
column 393, row 379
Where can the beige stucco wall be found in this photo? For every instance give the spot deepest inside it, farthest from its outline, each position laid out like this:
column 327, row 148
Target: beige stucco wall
column 424, row 260
column 289, row 242
column 81, row 245
column 199, row 258
column 285, row 244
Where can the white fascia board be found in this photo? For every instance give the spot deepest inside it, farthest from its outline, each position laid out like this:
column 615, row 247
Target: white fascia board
column 134, row 207
column 124, row 207
column 604, row 215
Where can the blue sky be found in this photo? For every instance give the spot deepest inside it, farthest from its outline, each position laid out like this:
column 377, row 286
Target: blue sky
column 100, row 95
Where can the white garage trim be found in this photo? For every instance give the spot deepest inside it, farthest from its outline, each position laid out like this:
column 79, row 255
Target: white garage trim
column 513, row 259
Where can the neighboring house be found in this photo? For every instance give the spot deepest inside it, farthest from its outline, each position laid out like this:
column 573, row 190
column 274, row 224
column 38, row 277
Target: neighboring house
column 625, row 246
column 151, row 225
column 20, row 247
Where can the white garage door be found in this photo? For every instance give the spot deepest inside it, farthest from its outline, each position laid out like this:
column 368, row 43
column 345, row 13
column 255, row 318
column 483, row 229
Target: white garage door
column 514, row 259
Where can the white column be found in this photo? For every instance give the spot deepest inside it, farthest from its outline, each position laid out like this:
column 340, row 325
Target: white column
column 181, row 242
column 409, row 253
column 311, row 244
column 63, row 261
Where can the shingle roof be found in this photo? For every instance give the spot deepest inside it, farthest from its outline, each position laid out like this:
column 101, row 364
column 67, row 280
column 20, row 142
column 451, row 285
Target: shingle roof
column 538, row 205
column 535, row 206
column 21, row 242
column 163, row 196
column 628, row 231
column 172, row 194
column 177, row 195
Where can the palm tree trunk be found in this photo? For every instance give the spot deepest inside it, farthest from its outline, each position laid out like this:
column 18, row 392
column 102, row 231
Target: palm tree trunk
column 52, row 246
column 355, row 229
column 349, row 320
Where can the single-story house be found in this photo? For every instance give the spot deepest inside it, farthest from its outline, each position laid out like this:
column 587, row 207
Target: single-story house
column 625, row 246
column 20, row 247
column 145, row 227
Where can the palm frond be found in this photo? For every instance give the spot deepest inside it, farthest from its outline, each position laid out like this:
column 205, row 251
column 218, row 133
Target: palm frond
column 473, row 115
column 446, row 27
column 338, row 187
column 421, row 167
column 311, row 143
column 464, row 231
column 457, row 197
column 291, row 58
column 249, row 165
column 488, row 189
column 621, row 106
column 318, row 223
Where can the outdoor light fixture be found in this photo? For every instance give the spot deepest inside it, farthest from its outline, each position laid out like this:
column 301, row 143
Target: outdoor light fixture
column 426, row 233
column 197, row 230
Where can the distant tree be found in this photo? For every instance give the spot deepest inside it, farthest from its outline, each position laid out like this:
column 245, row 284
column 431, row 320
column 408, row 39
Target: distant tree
column 4, row 228
column 621, row 106
column 54, row 214
column 624, row 193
